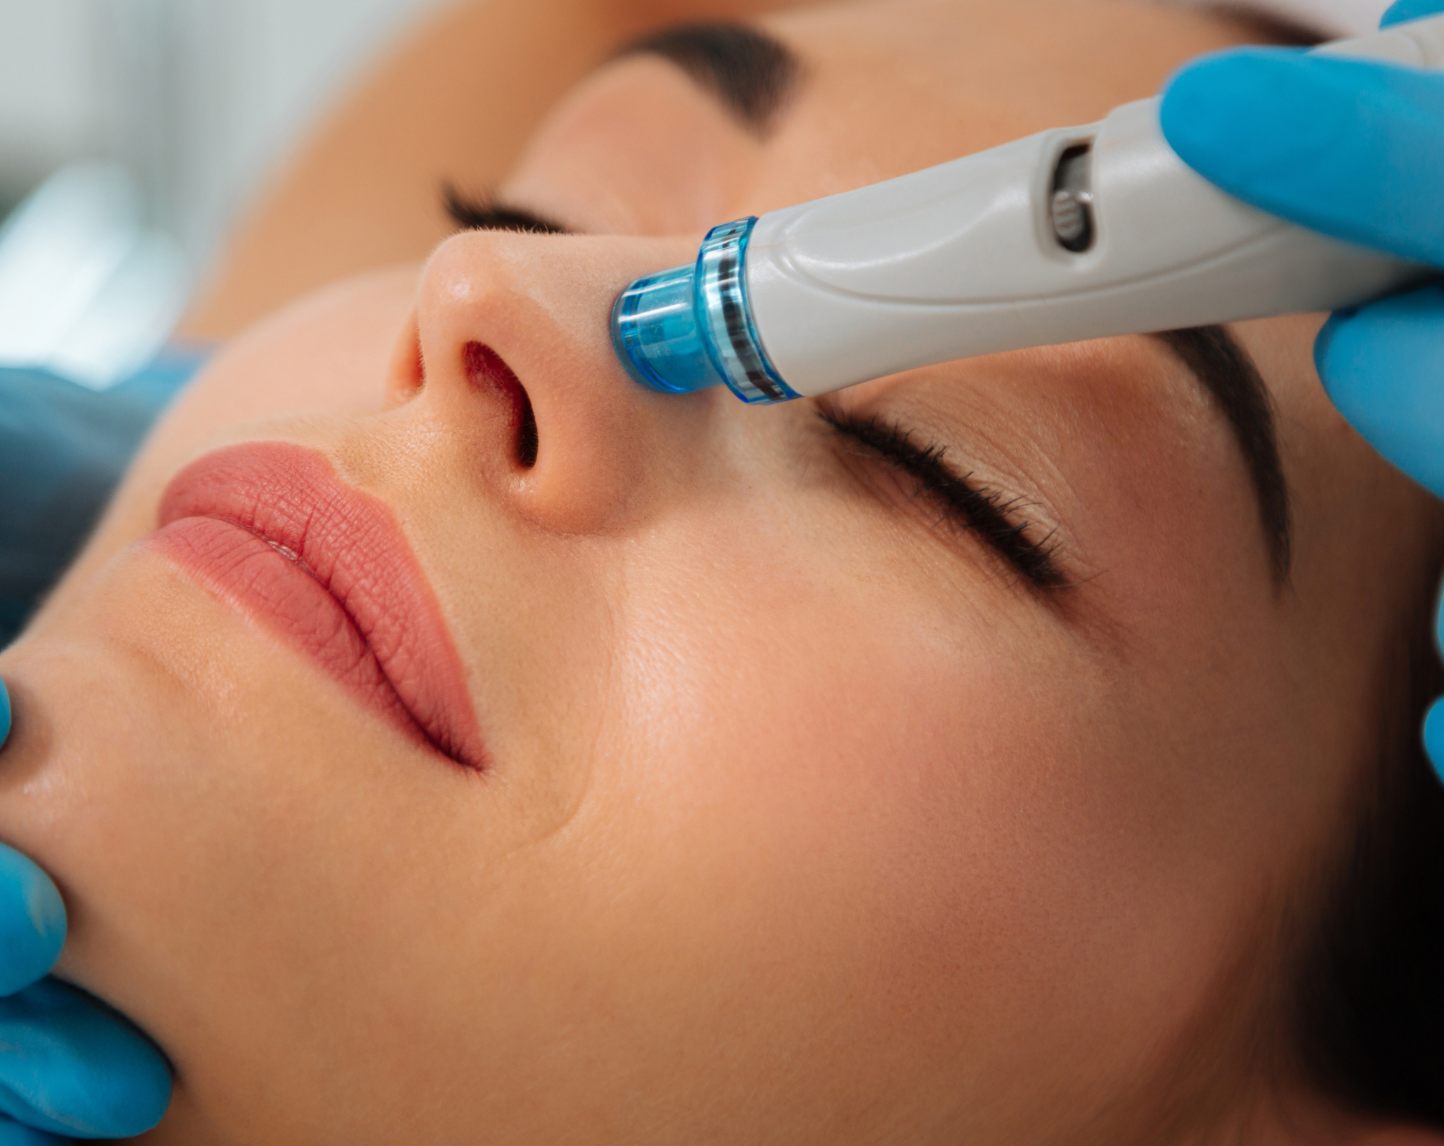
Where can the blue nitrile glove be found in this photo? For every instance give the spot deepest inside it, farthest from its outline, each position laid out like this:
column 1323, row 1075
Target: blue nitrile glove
column 1354, row 149
column 69, row 1065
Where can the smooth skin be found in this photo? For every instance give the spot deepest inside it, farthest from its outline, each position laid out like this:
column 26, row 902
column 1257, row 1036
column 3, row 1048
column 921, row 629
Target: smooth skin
column 1351, row 149
column 69, row 1065
column 809, row 820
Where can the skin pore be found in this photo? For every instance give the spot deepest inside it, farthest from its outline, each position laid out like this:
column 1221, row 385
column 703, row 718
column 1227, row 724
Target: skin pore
column 809, row 816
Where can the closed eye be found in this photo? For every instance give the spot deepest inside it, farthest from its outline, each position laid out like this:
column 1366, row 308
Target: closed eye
column 986, row 513
column 483, row 213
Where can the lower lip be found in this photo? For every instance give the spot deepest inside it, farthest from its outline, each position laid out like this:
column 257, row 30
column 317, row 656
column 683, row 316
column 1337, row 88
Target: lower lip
column 260, row 579
column 271, row 529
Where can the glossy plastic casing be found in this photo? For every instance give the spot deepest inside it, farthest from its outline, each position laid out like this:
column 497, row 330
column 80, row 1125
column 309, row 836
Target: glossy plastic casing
column 965, row 259
column 691, row 327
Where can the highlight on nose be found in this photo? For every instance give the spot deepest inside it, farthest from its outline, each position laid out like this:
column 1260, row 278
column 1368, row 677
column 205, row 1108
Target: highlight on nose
column 488, row 373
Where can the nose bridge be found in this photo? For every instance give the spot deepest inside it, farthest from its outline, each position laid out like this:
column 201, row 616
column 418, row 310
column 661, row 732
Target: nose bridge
column 515, row 326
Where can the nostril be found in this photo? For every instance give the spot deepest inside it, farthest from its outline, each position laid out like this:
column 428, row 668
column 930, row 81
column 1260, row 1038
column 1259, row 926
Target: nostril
column 486, row 371
column 408, row 369
column 526, row 439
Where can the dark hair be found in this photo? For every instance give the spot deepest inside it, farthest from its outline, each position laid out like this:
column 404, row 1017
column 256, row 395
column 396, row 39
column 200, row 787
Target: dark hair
column 1366, row 1005
column 1368, row 993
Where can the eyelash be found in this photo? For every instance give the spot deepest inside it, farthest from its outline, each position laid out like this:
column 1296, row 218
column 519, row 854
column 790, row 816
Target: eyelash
column 472, row 213
column 970, row 507
column 981, row 510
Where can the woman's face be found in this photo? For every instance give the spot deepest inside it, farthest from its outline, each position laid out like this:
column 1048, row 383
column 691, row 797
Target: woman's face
column 705, row 780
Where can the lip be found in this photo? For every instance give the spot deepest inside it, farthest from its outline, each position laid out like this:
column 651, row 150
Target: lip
column 269, row 528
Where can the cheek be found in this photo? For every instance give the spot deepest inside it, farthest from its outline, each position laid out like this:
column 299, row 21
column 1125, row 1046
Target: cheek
column 847, row 786
column 256, row 871
column 326, row 355
column 993, row 837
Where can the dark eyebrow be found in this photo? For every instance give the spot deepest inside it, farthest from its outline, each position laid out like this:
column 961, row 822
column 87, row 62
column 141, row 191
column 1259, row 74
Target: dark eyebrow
column 1227, row 371
column 1270, row 28
column 750, row 72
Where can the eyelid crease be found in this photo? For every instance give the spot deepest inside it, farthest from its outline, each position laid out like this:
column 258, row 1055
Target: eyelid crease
column 485, row 213
column 983, row 511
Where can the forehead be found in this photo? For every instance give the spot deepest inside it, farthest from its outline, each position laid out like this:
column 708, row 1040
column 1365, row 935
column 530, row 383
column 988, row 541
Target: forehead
column 898, row 86
column 885, row 88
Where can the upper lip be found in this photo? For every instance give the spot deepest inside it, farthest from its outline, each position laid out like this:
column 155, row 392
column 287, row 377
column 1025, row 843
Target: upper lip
column 349, row 542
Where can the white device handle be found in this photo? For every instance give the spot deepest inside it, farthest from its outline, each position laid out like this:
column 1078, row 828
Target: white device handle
column 972, row 257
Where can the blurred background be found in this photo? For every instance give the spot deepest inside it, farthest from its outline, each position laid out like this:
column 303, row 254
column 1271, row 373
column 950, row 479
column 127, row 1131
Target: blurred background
column 131, row 133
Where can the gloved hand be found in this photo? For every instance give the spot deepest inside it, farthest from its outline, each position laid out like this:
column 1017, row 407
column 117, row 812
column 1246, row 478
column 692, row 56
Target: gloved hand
column 1354, row 149
column 69, row 1065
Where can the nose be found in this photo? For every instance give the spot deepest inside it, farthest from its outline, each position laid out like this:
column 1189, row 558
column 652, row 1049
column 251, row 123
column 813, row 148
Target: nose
column 516, row 360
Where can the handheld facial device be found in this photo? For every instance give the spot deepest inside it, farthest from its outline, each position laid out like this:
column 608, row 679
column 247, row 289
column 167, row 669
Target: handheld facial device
column 1076, row 233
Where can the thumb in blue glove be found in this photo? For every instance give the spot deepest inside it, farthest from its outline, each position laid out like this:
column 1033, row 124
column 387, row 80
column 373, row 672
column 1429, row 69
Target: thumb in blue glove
column 69, row 1065
column 1355, row 149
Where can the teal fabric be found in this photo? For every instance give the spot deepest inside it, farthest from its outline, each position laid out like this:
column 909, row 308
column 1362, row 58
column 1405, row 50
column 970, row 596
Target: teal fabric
column 63, row 448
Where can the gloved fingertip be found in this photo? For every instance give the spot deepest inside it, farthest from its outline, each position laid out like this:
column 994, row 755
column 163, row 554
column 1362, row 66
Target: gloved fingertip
column 1327, row 336
column 1343, row 359
column 1236, row 115
column 1439, row 621
column 1201, row 108
column 32, row 922
column 46, row 910
column 5, row 715
column 14, row 1134
column 1434, row 737
column 74, row 1066
column 1380, row 366
column 1403, row 10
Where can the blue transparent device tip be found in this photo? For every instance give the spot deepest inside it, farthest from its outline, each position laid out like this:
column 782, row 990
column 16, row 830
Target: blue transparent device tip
column 691, row 327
